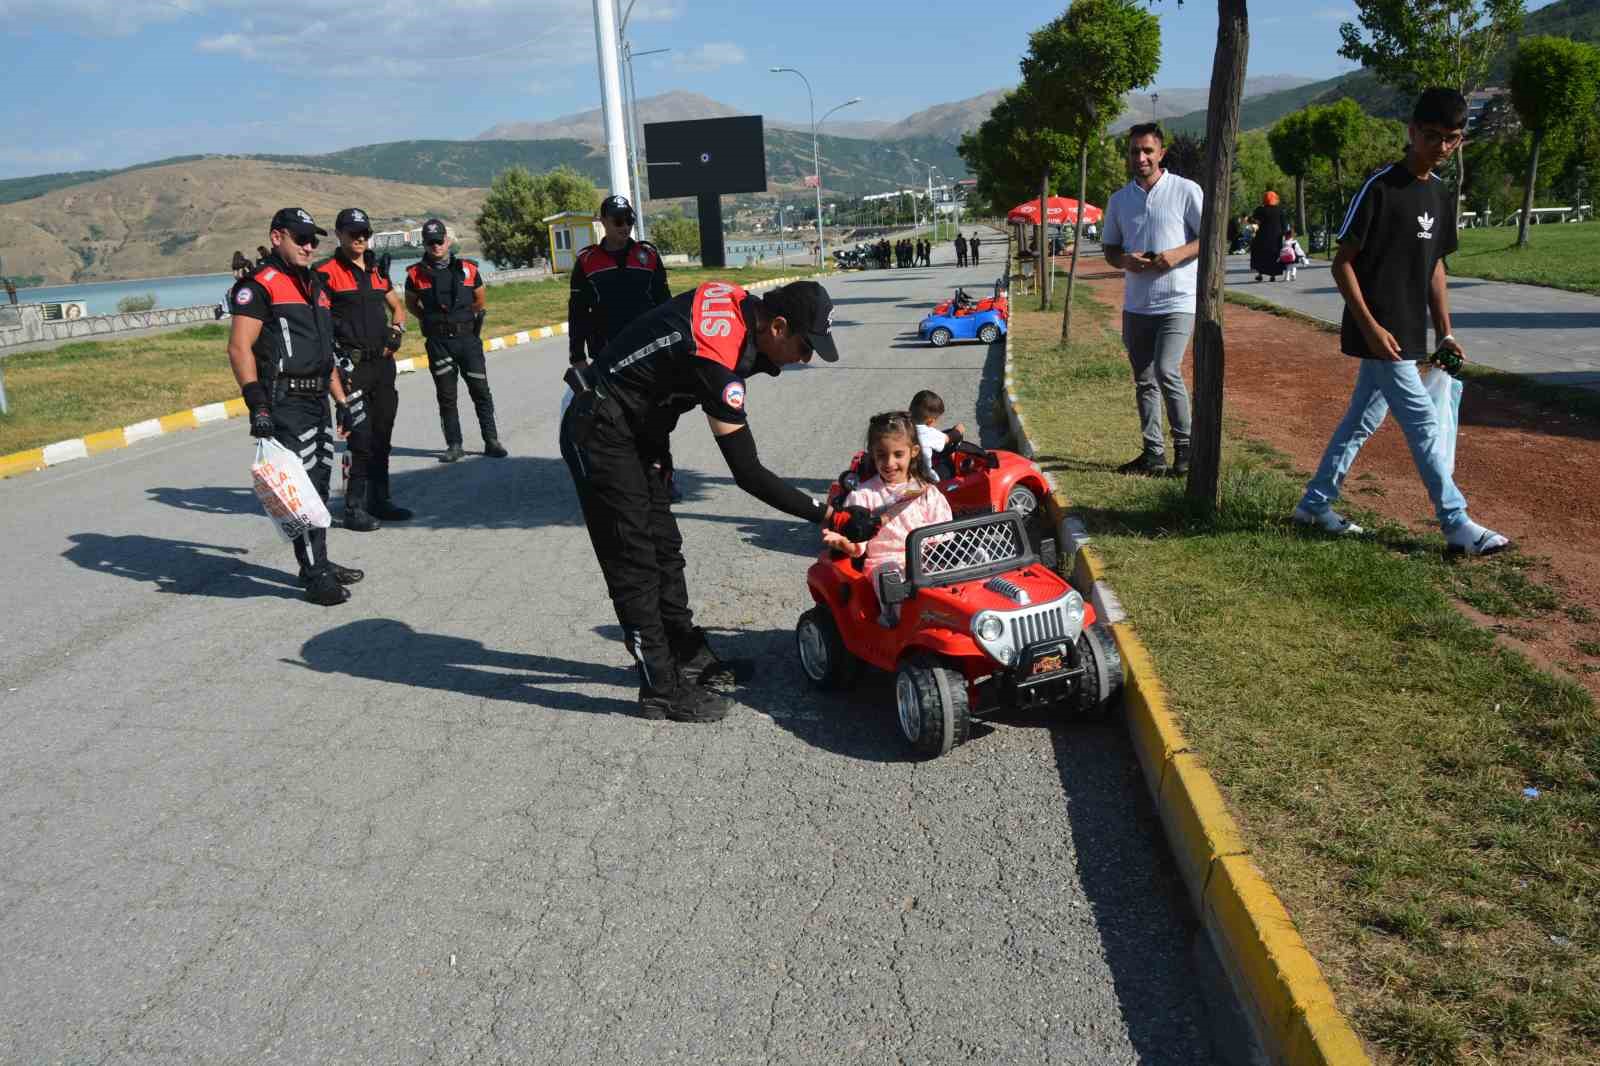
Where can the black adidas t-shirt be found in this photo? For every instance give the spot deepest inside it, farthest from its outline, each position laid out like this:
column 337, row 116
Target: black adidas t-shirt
column 1404, row 226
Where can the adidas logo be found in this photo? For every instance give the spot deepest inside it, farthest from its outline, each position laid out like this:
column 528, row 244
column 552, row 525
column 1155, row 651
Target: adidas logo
column 1425, row 220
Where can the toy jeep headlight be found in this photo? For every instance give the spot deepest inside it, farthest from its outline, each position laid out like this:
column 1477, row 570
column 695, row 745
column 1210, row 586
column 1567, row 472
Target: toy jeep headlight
column 990, row 630
column 1074, row 606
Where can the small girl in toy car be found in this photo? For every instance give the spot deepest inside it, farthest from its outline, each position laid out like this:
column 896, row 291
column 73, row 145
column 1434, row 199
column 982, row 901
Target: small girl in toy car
column 899, row 493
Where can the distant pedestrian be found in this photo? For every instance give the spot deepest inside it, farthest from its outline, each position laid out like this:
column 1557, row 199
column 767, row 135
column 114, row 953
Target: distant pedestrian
column 961, row 250
column 11, row 292
column 1390, row 271
column 1291, row 255
column 1268, row 239
column 1153, row 234
column 973, row 245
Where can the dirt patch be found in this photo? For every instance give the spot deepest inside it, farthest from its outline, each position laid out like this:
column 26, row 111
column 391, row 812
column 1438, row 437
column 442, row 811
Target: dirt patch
column 1526, row 471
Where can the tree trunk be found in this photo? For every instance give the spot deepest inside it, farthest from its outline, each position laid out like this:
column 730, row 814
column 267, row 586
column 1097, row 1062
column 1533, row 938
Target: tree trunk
column 1044, row 240
column 1338, row 180
column 1527, row 190
column 1300, row 208
column 1222, row 137
column 1077, row 230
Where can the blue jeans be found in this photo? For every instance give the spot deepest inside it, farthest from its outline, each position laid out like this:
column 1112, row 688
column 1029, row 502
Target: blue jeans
column 1382, row 387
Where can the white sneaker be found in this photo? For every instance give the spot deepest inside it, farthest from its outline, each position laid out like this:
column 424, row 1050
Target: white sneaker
column 1469, row 538
column 1329, row 521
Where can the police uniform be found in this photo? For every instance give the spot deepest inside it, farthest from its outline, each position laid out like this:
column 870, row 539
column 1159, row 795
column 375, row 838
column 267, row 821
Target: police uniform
column 444, row 291
column 359, row 295
column 294, row 360
column 695, row 350
column 612, row 288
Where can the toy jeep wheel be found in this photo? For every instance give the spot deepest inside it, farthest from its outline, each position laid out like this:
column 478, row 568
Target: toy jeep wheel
column 989, row 333
column 939, row 337
column 1102, row 676
column 932, row 702
column 823, row 656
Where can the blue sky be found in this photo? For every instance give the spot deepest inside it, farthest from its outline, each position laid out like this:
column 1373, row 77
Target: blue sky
column 106, row 83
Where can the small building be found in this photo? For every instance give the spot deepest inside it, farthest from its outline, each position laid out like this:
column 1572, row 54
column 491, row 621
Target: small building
column 570, row 233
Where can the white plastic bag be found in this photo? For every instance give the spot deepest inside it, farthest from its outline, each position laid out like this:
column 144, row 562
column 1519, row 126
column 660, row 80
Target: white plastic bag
column 286, row 492
column 1445, row 392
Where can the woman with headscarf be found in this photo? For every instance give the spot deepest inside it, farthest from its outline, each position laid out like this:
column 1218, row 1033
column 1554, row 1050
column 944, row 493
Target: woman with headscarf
column 1268, row 240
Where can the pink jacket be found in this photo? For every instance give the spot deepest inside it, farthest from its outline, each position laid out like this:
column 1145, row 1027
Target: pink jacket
column 890, row 543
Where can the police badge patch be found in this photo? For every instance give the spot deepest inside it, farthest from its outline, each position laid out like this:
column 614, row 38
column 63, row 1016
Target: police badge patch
column 733, row 395
column 243, row 296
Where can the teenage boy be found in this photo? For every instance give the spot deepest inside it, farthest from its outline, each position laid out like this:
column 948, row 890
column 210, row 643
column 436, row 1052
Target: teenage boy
column 1390, row 270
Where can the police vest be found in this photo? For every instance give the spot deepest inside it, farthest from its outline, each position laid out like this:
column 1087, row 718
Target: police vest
column 296, row 339
column 444, row 290
column 359, row 295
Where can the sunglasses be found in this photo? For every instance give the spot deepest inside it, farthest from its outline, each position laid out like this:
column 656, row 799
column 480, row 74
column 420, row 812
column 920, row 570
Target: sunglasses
column 308, row 241
column 435, row 244
column 359, row 234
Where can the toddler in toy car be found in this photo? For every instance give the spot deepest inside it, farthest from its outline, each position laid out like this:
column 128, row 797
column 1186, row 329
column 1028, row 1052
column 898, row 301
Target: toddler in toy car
column 927, row 407
column 900, row 493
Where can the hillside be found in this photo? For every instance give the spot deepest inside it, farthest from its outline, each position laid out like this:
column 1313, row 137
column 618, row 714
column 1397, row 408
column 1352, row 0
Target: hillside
column 189, row 218
column 462, row 164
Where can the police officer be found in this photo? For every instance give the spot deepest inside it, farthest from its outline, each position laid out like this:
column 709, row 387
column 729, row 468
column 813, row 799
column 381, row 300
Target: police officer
column 281, row 348
column 613, row 283
column 369, row 323
column 446, row 295
column 697, row 349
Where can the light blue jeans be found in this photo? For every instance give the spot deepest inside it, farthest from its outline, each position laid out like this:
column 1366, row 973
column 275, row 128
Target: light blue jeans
column 1382, row 387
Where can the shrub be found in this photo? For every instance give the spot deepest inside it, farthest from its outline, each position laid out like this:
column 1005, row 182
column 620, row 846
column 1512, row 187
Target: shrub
column 136, row 303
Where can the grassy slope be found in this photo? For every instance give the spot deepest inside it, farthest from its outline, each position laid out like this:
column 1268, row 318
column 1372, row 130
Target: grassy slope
column 96, row 385
column 1374, row 744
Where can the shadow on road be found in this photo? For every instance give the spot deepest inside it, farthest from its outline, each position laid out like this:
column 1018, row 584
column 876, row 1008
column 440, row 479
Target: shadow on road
column 383, row 649
column 188, row 568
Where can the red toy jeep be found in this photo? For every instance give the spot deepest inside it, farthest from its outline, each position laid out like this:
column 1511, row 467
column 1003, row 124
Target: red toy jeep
column 984, row 626
column 981, row 481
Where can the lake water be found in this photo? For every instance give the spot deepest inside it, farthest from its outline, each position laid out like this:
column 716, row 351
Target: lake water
column 102, row 296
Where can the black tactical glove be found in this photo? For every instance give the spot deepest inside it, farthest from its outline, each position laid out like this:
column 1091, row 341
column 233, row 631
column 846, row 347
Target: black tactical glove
column 395, row 337
column 260, row 409
column 477, row 323
column 855, row 523
column 353, row 420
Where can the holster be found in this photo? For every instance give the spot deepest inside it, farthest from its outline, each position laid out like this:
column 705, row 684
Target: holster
column 580, row 379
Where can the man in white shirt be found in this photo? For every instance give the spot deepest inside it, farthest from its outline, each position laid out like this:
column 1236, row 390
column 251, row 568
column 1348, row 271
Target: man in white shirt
column 1152, row 233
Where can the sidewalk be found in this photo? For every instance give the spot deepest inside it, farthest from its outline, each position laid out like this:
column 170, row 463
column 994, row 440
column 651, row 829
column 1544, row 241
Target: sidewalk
column 1549, row 334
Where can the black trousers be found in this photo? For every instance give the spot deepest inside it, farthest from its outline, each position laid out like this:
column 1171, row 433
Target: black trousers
column 625, row 502
column 450, row 358
column 373, row 380
column 300, row 423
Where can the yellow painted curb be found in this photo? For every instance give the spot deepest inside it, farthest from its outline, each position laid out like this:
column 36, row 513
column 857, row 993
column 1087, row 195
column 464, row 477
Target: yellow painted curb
column 104, row 442
column 1270, row 966
column 21, row 462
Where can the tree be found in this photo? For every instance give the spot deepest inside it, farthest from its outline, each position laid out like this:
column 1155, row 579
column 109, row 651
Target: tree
column 1554, row 82
column 1334, row 129
column 674, row 234
column 1077, row 67
column 510, row 224
column 1210, row 356
column 1013, row 155
column 1294, row 148
column 1414, row 44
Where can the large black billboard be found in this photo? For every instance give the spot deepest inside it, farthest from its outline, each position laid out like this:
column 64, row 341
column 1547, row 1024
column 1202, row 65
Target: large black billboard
column 706, row 156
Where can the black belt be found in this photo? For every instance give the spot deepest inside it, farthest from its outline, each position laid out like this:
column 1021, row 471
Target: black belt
column 316, row 384
column 448, row 329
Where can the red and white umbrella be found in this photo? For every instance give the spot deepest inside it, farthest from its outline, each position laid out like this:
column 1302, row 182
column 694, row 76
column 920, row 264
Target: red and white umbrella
column 1058, row 209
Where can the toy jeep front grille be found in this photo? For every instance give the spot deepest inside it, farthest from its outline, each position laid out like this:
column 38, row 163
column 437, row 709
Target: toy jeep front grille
column 967, row 549
column 1046, row 622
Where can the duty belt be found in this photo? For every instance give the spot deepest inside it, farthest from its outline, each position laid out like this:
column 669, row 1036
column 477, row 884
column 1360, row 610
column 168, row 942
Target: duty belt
column 448, row 329
column 315, row 384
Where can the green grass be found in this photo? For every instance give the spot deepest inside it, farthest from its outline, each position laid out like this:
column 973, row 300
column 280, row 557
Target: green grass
column 91, row 386
column 1373, row 742
column 1559, row 255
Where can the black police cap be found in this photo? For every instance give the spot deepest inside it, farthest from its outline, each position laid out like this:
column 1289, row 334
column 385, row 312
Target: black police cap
column 297, row 221
column 352, row 220
column 616, row 205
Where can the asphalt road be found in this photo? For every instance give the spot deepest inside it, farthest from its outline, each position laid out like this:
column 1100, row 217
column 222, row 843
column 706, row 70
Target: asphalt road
column 427, row 826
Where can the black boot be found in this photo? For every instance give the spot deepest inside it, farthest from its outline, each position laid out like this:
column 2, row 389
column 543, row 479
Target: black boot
column 379, row 505
column 356, row 517
column 344, row 575
column 686, row 703
column 1180, row 460
column 1149, row 464
column 322, row 589
column 452, row 453
column 493, row 448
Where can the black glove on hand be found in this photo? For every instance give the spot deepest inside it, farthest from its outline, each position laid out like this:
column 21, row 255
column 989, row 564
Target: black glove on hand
column 855, row 524
column 353, row 420
column 477, row 323
column 396, row 337
column 260, row 408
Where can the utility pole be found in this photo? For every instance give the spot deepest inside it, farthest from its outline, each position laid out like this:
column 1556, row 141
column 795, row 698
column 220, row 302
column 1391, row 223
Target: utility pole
column 606, row 52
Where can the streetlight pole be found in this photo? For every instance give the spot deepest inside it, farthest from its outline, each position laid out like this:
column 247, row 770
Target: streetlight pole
column 635, row 131
column 816, row 159
column 607, row 50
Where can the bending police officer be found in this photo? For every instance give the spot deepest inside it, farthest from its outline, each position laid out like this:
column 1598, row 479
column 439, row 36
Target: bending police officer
column 280, row 345
column 446, row 295
column 613, row 283
column 365, row 340
column 695, row 350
